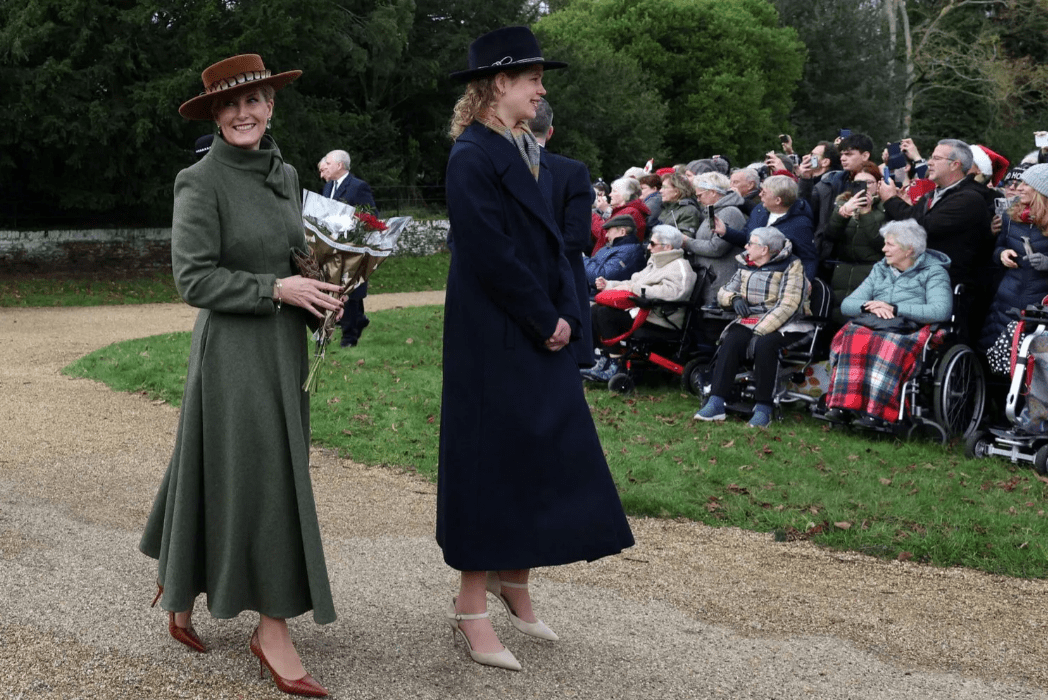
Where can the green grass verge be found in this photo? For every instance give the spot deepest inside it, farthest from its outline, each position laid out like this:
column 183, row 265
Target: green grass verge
column 379, row 403
column 398, row 274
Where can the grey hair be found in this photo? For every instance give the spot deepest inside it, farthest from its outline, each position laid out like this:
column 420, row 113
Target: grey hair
column 750, row 174
column 960, row 152
column 782, row 186
column 908, row 234
column 771, row 237
column 339, row 157
column 668, row 235
column 543, row 119
column 628, row 186
column 713, row 181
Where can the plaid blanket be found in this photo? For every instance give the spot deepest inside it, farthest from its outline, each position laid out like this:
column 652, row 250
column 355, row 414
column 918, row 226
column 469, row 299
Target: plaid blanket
column 868, row 368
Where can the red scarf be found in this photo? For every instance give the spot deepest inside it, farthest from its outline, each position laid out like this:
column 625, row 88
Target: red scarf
column 1024, row 215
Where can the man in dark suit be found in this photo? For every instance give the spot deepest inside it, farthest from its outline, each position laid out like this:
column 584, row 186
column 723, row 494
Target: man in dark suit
column 341, row 185
column 572, row 201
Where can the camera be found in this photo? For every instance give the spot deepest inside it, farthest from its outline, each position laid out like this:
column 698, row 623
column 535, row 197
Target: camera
column 763, row 171
column 844, row 133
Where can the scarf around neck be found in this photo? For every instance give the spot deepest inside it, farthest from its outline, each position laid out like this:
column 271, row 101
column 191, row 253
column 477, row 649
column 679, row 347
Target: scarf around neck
column 526, row 144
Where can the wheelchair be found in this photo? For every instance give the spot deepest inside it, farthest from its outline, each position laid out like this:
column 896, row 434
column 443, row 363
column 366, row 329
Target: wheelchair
column 794, row 360
column 1019, row 443
column 946, row 396
column 647, row 345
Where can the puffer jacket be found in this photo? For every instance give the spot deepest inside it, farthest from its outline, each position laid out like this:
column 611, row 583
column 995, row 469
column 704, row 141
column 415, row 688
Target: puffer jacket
column 668, row 277
column 921, row 293
column 796, row 224
column 634, row 208
column 856, row 243
column 777, row 292
column 1019, row 286
column 713, row 252
column 683, row 214
column 616, row 261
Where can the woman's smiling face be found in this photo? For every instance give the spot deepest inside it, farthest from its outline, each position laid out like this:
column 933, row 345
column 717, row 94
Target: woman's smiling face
column 242, row 118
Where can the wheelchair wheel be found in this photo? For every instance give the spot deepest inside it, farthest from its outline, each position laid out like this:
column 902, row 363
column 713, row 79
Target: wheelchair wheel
column 621, row 383
column 695, row 376
column 926, row 429
column 960, row 391
column 977, row 445
column 1040, row 460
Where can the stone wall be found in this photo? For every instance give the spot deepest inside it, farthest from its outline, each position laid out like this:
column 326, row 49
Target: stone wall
column 136, row 251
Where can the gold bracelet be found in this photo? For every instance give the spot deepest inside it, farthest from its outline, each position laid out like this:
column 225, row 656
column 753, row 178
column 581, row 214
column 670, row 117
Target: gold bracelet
column 280, row 301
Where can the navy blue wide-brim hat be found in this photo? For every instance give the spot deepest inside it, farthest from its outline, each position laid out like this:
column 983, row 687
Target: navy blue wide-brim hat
column 505, row 49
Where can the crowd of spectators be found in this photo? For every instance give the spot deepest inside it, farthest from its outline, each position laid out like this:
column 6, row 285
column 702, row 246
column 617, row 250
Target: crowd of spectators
column 899, row 239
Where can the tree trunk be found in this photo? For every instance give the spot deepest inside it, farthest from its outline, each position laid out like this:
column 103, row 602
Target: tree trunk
column 907, row 104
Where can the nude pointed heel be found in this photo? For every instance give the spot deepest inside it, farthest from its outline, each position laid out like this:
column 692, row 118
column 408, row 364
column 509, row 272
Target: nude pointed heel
column 537, row 628
column 500, row 659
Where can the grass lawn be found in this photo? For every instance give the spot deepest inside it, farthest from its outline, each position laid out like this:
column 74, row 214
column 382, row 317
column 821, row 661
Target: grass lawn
column 397, row 274
column 379, row 403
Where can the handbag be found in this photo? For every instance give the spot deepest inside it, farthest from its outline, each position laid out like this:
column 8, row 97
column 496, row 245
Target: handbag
column 896, row 324
column 616, row 298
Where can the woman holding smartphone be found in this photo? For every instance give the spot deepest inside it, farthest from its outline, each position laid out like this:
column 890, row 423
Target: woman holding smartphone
column 854, row 232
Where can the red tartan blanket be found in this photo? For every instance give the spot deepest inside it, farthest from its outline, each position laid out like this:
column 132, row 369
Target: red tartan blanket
column 868, row 368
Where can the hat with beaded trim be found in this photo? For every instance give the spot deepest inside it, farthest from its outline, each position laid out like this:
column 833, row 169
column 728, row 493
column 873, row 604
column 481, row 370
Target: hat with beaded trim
column 235, row 73
column 505, row 49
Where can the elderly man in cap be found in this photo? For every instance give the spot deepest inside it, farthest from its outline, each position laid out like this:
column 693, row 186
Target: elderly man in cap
column 620, row 257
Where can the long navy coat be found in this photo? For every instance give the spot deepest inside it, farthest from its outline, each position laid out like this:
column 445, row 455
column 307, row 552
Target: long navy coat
column 1020, row 286
column 523, row 481
column 572, row 197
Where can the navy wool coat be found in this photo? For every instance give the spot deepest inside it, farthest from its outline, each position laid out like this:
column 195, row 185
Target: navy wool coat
column 1020, row 286
column 572, row 197
column 523, row 481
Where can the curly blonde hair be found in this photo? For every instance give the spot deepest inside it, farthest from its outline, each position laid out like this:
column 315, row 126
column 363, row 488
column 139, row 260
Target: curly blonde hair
column 480, row 97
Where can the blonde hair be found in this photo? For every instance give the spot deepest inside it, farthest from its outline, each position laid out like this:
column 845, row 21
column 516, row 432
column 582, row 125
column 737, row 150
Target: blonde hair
column 267, row 91
column 480, row 97
column 1038, row 211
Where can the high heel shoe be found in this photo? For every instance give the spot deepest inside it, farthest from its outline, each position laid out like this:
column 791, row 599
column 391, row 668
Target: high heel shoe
column 500, row 659
column 305, row 685
column 537, row 628
column 185, row 635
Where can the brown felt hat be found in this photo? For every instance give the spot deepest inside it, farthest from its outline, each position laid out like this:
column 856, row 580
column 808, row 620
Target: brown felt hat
column 246, row 70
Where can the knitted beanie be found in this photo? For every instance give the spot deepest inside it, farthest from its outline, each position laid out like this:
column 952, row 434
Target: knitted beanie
column 1036, row 176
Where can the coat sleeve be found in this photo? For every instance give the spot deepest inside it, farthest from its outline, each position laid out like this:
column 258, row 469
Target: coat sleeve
column 938, row 299
column 196, row 249
column 578, row 205
column 852, row 304
column 727, row 293
column 791, row 296
column 485, row 246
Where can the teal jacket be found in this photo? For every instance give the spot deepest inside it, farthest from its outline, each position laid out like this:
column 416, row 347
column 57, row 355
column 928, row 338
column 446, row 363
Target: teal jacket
column 922, row 293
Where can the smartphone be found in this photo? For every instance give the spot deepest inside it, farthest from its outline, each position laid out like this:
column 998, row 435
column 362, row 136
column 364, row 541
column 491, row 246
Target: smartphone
column 856, row 187
column 784, row 138
column 896, row 158
column 1000, row 206
column 844, row 133
column 710, row 215
column 887, row 175
column 1040, row 139
column 1026, row 245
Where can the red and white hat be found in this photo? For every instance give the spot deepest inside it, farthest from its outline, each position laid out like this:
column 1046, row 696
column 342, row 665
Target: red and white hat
column 990, row 164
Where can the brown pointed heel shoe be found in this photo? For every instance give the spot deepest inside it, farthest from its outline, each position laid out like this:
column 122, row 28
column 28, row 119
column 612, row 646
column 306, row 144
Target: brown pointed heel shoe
column 185, row 635
column 303, row 686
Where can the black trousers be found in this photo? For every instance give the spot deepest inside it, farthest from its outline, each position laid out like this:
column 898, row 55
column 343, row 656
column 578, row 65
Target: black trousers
column 608, row 322
column 765, row 361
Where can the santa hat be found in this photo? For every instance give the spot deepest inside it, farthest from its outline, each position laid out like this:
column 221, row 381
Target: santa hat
column 663, row 171
column 990, row 164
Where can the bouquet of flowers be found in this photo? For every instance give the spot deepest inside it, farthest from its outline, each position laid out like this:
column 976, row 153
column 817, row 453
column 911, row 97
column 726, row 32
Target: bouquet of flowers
column 346, row 244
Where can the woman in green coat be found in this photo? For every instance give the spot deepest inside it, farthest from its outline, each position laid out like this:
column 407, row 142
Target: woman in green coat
column 235, row 517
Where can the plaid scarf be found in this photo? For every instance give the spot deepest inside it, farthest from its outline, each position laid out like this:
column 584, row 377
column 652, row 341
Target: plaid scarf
column 526, row 144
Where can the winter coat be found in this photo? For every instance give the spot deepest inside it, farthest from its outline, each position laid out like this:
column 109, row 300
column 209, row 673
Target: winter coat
column 777, row 292
column 922, row 293
column 654, row 204
column 522, row 479
column 713, row 252
column 795, row 224
column 856, row 246
column 1019, row 286
column 634, row 208
column 668, row 277
column 235, row 517
column 616, row 261
column 821, row 194
column 684, row 215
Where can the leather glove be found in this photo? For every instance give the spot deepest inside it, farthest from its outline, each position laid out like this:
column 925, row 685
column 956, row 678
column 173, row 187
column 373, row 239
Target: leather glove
column 742, row 309
column 1038, row 261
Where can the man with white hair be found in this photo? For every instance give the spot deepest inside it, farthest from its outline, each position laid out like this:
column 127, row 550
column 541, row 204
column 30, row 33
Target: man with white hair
column 341, row 185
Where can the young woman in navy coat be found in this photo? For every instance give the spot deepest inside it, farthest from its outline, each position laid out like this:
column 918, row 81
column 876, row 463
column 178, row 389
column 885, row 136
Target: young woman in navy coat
column 523, row 481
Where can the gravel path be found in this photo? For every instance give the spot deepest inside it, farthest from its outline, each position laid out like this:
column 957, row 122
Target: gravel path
column 690, row 612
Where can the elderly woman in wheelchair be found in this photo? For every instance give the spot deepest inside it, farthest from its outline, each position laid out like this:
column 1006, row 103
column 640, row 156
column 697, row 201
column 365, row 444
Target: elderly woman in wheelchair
column 877, row 351
column 768, row 294
column 666, row 277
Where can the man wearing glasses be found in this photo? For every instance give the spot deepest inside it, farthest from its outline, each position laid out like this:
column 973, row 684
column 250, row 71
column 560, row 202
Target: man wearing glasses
column 821, row 180
column 956, row 218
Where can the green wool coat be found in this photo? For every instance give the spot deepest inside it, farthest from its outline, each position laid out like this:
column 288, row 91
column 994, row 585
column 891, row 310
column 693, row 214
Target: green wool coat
column 235, row 516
